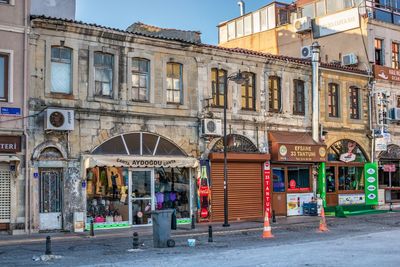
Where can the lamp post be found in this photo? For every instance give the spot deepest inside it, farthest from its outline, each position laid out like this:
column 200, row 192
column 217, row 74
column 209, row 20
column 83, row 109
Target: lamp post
column 238, row 78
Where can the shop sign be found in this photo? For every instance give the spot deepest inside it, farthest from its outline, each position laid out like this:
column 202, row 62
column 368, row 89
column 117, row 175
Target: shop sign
column 142, row 161
column 267, row 188
column 389, row 168
column 386, row 73
column 295, row 203
column 351, row 199
column 10, row 144
column 380, row 144
column 371, row 183
column 302, row 153
column 10, row 111
column 348, row 157
column 336, row 23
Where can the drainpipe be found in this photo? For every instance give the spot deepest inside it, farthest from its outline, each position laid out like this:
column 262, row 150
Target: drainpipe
column 315, row 49
column 242, row 7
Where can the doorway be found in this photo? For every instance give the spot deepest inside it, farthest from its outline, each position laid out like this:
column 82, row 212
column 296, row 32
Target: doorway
column 141, row 190
column 50, row 198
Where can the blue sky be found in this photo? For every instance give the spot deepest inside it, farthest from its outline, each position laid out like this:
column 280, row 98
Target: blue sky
column 201, row 15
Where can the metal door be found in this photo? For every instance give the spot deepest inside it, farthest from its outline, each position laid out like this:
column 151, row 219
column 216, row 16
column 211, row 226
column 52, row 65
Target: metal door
column 50, row 199
column 5, row 194
column 141, row 196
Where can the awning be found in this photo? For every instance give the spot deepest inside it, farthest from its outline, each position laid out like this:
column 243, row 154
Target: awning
column 296, row 147
column 139, row 161
column 9, row 158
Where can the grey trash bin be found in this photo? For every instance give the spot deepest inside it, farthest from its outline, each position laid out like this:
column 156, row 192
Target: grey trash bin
column 161, row 227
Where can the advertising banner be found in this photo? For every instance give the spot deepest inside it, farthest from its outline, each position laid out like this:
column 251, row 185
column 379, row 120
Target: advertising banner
column 295, row 203
column 371, row 183
column 267, row 188
column 351, row 199
column 204, row 192
column 322, row 182
column 335, row 23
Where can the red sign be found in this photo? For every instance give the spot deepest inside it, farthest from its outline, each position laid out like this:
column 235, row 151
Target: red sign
column 267, row 188
column 389, row 168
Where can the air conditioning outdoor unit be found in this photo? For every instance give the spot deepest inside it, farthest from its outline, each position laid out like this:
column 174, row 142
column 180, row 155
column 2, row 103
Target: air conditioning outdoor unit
column 211, row 127
column 302, row 24
column 306, row 52
column 395, row 114
column 59, row 119
column 349, row 59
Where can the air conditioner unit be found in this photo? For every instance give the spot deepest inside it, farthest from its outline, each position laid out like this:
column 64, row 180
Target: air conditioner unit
column 306, row 52
column 59, row 119
column 395, row 114
column 211, row 127
column 302, row 24
column 349, row 59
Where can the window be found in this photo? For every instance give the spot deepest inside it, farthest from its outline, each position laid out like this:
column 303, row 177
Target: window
column 264, row 19
column 299, row 178
column 4, row 1
column 239, row 27
column 174, row 83
column 4, row 77
column 248, row 28
column 103, row 74
column 308, row 11
column 379, row 59
column 330, row 180
column 256, row 22
column 231, row 30
column 61, row 58
column 278, row 179
column 351, row 178
column 337, row 5
column 320, row 8
column 274, row 94
column 298, row 98
column 248, row 91
column 333, row 100
column 218, row 86
column 395, row 56
column 140, row 79
column 223, row 34
column 398, row 101
column 354, row 94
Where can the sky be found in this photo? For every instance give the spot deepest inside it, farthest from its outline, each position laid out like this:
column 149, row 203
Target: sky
column 199, row 15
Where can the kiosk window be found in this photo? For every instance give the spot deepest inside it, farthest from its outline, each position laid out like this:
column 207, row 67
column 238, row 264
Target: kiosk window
column 351, row 178
column 278, row 176
column 298, row 178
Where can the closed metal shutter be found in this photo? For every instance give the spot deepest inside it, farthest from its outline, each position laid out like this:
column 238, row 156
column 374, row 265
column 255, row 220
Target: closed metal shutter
column 244, row 191
column 5, row 194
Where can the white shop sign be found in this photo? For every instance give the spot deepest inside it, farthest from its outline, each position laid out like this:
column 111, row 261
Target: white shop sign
column 351, row 199
column 336, row 23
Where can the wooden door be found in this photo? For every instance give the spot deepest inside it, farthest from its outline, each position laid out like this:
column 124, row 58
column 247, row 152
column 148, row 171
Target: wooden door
column 279, row 185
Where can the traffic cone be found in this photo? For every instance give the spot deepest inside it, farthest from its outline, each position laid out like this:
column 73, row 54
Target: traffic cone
column 267, row 228
column 323, row 227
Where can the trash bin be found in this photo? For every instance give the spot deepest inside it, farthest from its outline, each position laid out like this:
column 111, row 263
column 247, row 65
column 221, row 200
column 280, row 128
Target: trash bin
column 161, row 227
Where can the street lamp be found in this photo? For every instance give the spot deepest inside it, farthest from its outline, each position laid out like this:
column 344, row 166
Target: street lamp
column 238, row 78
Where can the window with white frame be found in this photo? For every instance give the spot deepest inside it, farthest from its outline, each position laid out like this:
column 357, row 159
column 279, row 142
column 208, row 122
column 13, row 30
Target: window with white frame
column 103, row 74
column 4, row 1
column 4, row 77
column 174, row 83
column 61, row 69
column 140, row 79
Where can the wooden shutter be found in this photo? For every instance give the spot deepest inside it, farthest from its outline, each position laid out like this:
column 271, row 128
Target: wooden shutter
column 244, row 191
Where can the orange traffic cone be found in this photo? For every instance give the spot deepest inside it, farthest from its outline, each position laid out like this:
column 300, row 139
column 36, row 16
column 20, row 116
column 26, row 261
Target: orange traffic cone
column 323, row 227
column 267, row 228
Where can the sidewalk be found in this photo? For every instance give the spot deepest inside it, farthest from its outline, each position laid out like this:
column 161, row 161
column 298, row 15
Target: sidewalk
column 145, row 231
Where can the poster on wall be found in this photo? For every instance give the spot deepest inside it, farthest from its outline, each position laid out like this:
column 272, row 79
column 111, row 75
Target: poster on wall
column 295, row 203
column 371, row 183
column 351, row 199
column 204, row 192
column 267, row 189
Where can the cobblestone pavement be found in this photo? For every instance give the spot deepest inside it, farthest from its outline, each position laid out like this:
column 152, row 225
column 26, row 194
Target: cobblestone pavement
column 110, row 248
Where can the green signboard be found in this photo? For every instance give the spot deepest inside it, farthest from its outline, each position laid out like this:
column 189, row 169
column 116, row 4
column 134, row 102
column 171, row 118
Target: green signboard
column 371, row 183
column 322, row 182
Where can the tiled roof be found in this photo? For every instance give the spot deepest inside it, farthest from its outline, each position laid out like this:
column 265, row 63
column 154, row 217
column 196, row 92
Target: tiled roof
column 232, row 50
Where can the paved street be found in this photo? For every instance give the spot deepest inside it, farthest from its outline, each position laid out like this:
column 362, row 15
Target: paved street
column 353, row 241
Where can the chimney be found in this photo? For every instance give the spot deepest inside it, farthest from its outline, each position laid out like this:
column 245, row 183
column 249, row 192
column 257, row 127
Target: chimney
column 242, row 7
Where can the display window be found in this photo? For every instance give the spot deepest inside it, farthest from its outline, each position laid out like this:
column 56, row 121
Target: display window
column 330, row 180
column 298, row 178
column 278, row 179
column 351, row 178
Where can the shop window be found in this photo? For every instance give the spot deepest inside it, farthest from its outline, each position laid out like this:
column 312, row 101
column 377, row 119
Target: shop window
column 61, row 67
column 278, row 179
column 4, row 77
column 395, row 55
column 248, row 91
column 274, row 84
column 330, row 179
column 174, row 83
column 298, row 178
column 379, row 55
column 298, row 97
column 333, row 100
column 218, row 86
column 351, row 178
column 354, row 99
column 394, row 177
column 172, row 190
column 346, row 151
column 140, row 79
column 103, row 74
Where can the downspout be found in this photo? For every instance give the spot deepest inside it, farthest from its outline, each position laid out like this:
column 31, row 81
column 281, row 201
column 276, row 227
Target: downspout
column 315, row 48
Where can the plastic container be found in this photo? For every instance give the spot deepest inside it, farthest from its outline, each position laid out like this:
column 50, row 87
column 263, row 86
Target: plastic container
column 161, row 227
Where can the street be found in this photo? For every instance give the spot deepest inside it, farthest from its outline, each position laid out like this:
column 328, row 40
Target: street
column 365, row 240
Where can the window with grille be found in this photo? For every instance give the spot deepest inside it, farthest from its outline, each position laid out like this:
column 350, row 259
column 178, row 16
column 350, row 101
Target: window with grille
column 354, row 94
column 218, row 86
column 298, row 98
column 5, row 195
column 333, row 100
column 174, row 83
column 274, row 94
column 248, row 91
column 103, row 74
column 61, row 58
column 140, row 79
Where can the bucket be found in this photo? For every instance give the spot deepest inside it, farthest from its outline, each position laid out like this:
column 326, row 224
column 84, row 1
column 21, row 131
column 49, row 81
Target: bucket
column 191, row 242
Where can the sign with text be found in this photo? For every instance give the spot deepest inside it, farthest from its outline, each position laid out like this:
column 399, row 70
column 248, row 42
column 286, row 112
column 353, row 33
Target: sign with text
column 335, row 23
column 10, row 111
column 389, row 168
column 371, row 183
column 267, row 188
column 302, row 153
column 387, row 74
column 10, row 144
column 351, row 199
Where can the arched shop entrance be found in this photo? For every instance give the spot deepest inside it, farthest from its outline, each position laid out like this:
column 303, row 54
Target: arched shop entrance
column 245, row 179
column 132, row 174
column 389, row 173
column 345, row 174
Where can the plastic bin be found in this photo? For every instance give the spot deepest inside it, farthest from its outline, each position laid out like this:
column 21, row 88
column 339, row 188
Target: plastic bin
column 310, row 208
column 161, row 220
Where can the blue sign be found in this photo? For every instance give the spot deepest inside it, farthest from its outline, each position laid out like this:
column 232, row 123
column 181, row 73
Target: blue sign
column 36, row 175
column 10, row 111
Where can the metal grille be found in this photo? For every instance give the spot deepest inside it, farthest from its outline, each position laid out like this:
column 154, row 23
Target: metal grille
column 50, row 191
column 5, row 195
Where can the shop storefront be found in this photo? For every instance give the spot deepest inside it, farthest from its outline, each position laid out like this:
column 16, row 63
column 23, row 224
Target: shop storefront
column 295, row 157
column 245, row 180
column 9, row 164
column 389, row 174
column 131, row 175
